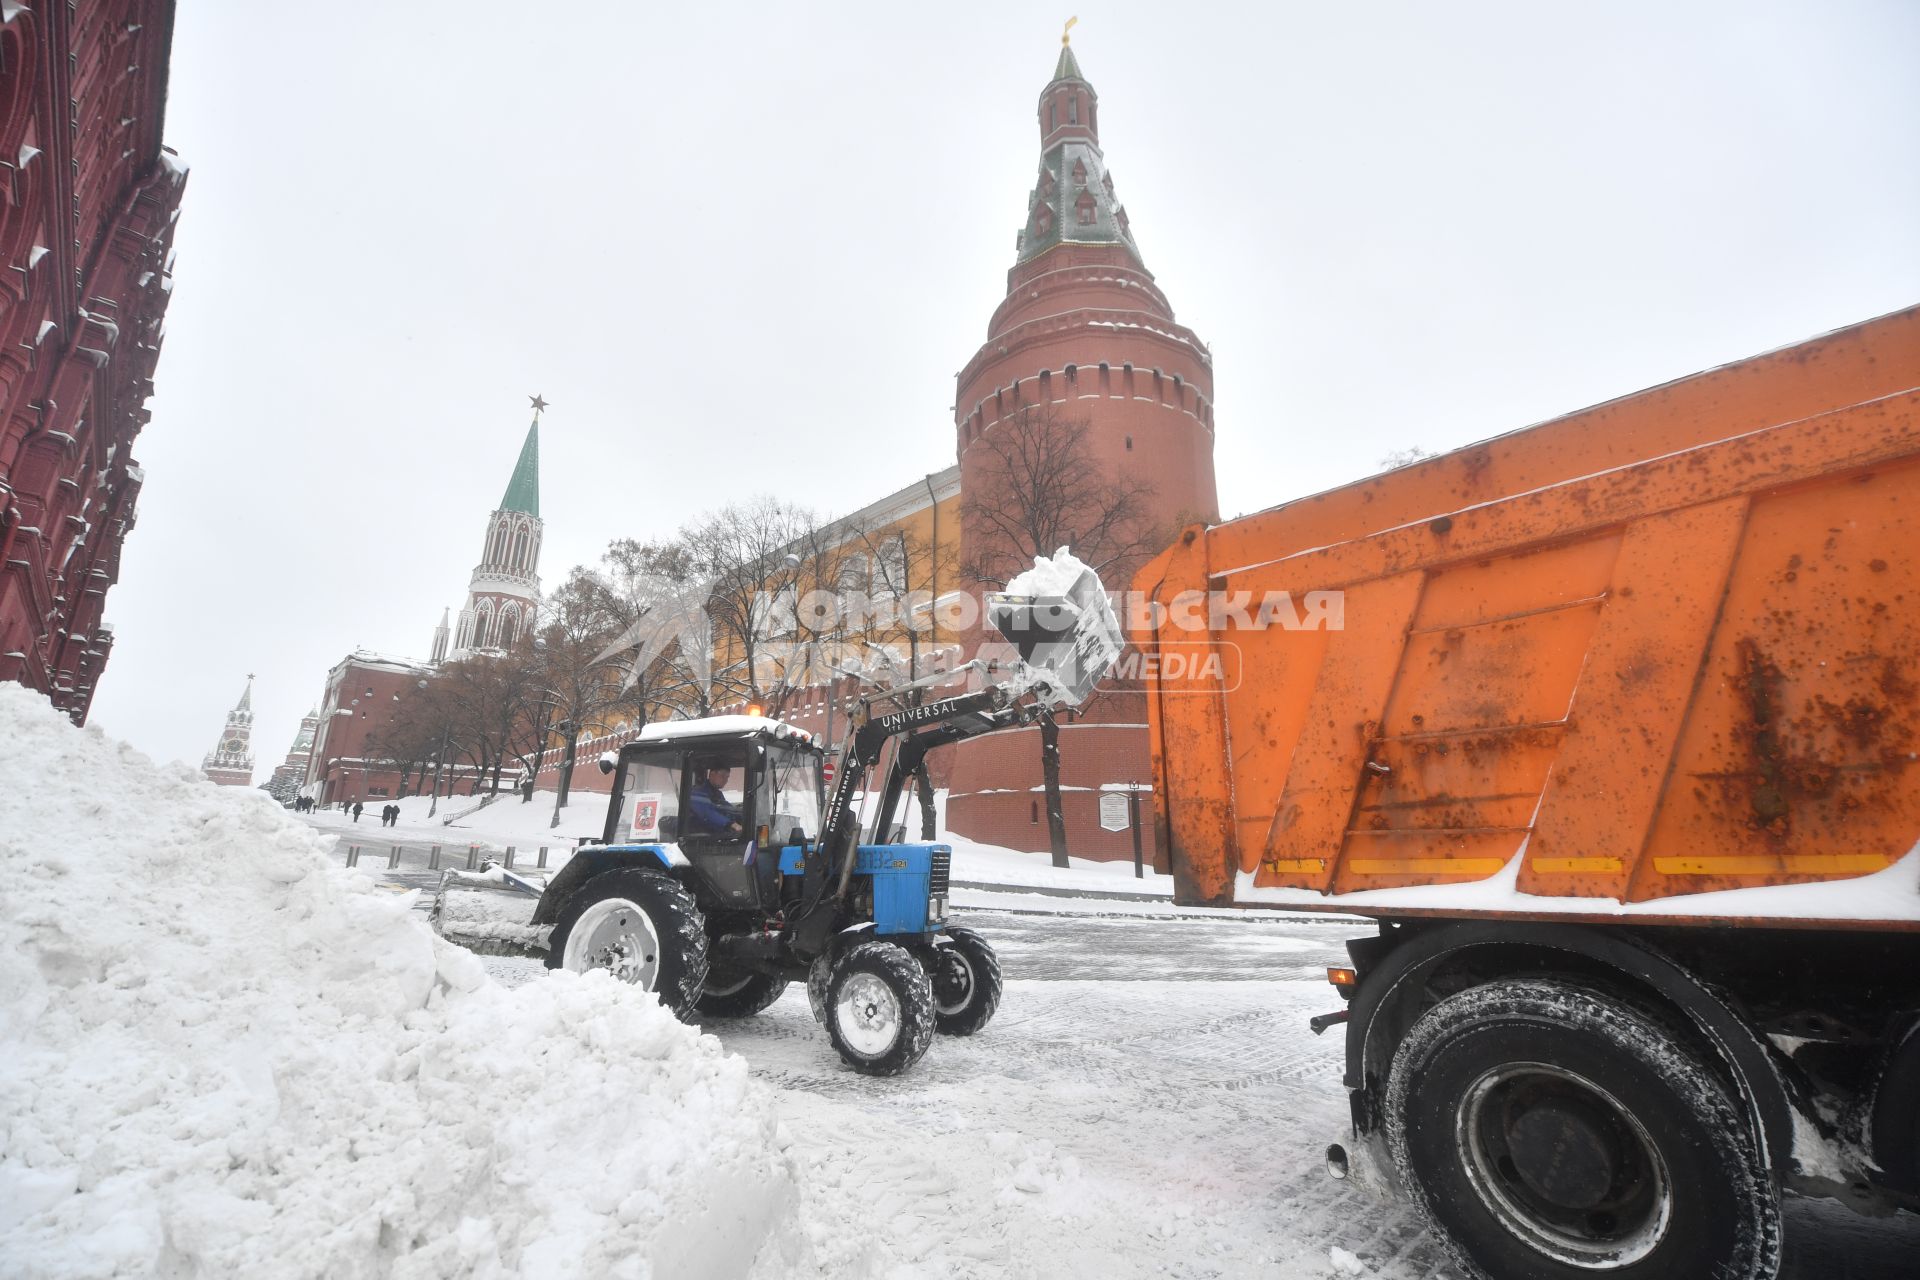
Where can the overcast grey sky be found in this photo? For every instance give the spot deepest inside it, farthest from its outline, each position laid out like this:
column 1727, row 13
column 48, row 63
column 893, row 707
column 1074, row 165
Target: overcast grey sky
column 745, row 248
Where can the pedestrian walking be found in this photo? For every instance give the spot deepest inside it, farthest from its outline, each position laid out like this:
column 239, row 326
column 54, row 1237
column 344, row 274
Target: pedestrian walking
column 357, row 808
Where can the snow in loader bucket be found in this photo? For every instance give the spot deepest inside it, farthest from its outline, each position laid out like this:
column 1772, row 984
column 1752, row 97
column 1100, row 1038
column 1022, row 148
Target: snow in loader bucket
column 1057, row 616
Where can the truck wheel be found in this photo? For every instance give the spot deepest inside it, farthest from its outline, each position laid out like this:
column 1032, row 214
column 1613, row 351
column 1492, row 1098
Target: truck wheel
column 737, row 994
column 966, row 982
column 642, row 927
column 1553, row 1132
column 879, row 1009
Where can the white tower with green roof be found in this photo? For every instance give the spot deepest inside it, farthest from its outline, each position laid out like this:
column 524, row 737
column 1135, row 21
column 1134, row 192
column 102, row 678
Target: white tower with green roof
column 504, row 593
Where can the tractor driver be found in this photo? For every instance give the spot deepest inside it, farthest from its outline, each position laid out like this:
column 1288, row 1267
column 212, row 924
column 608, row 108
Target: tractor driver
column 709, row 812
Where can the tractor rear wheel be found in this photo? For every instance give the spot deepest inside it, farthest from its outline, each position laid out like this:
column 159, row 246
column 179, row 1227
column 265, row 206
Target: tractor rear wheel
column 879, row 1009
column 966, row 982
column 640, row 926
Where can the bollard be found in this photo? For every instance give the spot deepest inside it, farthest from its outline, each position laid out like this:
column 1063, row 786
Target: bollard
column 353, row 855
column 543, row 858
column 509, row 857
column 433, row 859
column 473, row 856
column 393, row 858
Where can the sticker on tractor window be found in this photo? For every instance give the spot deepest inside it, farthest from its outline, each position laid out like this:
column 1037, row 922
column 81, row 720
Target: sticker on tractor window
column 645, row 823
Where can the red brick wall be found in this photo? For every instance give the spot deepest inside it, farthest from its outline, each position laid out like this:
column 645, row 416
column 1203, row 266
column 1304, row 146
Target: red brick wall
column 87, row 205
column 347, row 760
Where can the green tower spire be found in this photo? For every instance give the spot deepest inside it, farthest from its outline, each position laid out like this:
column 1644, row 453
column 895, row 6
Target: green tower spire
column 523, row 491
column 1068, row 68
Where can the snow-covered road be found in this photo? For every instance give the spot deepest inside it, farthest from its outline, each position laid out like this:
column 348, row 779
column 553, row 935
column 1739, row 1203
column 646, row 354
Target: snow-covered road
column 1149, row 1102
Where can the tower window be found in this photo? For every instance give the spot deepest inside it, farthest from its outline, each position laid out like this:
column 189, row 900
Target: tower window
column 1083, row 210
column 1052, row 123
column 1073, row 109
column 1129, row 444
column 1033, row 812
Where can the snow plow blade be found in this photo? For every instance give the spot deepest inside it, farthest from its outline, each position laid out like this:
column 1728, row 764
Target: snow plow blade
column 1058, row 618
column 490, row 912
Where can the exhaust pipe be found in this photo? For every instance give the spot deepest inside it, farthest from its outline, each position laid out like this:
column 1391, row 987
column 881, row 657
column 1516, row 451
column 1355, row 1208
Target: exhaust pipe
column 1337, row 1162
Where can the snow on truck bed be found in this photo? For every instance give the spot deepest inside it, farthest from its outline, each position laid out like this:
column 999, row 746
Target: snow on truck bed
column 225, row 1058
column 1887, row 898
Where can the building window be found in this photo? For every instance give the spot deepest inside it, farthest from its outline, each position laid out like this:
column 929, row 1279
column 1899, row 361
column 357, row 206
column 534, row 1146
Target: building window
column 1073, row 109
column 1051, row 123
column 1084, row 210
column 1129, row 444
column 1033, row 813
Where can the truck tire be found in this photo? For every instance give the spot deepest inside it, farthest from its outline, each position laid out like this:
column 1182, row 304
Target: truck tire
column 879, row 1009
column 1551, row 1131
column 737, row 994
column 966, row 982
column 643, row 927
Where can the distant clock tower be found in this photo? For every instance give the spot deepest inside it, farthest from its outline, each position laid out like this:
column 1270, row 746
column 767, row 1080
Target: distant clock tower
column 230, row 764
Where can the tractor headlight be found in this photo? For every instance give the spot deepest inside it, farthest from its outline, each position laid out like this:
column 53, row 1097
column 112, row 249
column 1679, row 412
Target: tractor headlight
column 937, row 908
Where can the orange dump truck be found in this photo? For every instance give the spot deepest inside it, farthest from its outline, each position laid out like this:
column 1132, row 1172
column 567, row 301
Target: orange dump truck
column 1612, row 726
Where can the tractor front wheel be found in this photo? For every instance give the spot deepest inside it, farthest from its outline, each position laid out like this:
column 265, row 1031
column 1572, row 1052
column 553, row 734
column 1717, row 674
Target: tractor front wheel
column 879, row 1009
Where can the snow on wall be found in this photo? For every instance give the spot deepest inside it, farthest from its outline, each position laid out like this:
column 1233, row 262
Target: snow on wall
column 1891, row 894
column 224, row 1057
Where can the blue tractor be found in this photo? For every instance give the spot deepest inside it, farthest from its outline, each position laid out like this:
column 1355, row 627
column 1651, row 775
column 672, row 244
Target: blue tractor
column 728, row 869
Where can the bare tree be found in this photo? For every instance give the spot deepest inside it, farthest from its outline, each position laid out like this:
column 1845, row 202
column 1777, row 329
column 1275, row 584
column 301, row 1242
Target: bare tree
column 664, row 639
column 493, row 700
column 578, row 621
column 745, row 553
column 1039, row 486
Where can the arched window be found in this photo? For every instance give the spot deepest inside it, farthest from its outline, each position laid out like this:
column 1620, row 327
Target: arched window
column 509, row 626
column 483, row 626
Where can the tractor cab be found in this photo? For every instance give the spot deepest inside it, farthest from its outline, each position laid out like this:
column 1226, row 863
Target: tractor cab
column 722, row 796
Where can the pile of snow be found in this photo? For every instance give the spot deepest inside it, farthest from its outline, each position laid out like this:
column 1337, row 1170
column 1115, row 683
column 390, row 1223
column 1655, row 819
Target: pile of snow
column 224, row 1057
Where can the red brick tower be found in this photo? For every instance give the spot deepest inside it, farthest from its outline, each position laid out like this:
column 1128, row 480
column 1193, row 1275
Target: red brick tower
column 230, row 763
column 1084, row 333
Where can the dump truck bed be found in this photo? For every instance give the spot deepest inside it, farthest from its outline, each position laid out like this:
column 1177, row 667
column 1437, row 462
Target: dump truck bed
column 1658, row 660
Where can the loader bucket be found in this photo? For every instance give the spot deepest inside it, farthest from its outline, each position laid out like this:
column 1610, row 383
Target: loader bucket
column 1067, row 638
column 489, row 912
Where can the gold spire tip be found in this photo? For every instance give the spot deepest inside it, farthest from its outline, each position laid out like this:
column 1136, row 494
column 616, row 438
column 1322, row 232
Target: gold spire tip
column 1066, row 32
